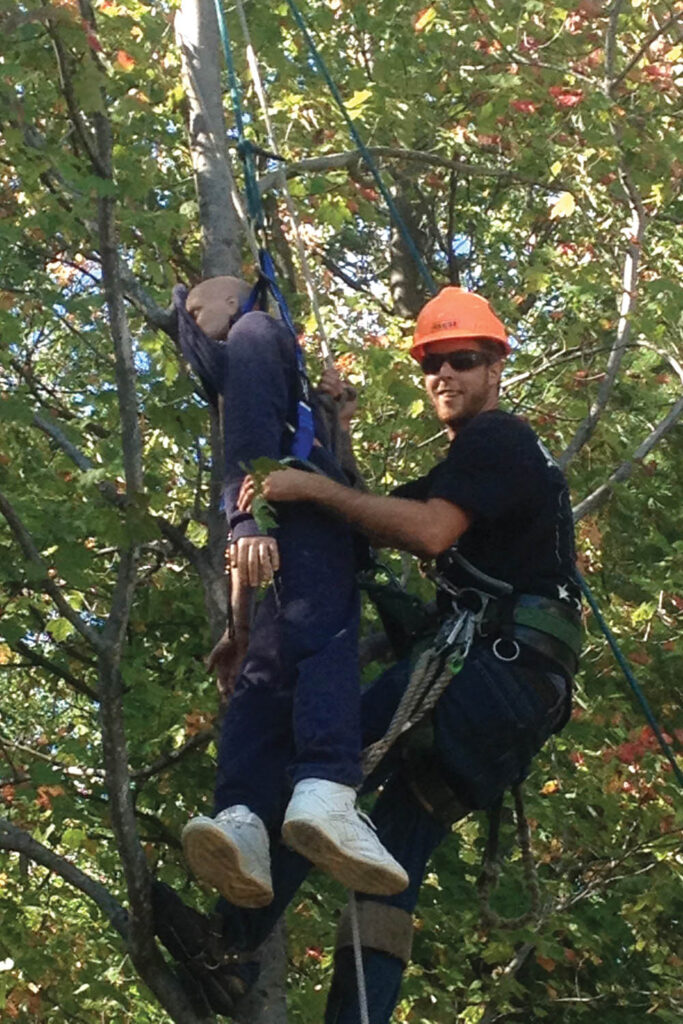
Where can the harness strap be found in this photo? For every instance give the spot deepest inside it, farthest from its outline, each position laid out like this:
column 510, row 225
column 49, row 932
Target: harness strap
column 304, row 432
column 549, row 622
column 382, row 927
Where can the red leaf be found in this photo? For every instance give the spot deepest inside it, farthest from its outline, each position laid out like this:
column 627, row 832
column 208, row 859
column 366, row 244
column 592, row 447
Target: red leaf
column 546, row 963
column 564, row 97
column 125, row 61
column 525, row 106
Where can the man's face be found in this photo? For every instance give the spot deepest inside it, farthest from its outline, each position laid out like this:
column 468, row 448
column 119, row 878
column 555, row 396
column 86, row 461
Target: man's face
column 459, row 394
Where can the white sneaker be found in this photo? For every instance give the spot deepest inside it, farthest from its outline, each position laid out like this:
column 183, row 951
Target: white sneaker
column 231, row 853
column 322, row 824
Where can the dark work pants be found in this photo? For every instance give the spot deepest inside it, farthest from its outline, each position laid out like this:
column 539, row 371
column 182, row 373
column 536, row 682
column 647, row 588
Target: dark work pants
column 488, row 724
column 295, row 712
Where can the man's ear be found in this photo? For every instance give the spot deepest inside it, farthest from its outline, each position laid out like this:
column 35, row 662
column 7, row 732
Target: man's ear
column 496, row 372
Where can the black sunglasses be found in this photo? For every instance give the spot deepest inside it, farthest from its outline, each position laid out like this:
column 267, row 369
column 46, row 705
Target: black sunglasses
column 461, row 359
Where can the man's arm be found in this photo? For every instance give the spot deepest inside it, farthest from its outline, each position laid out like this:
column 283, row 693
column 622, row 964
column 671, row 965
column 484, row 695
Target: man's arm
column 423, row 527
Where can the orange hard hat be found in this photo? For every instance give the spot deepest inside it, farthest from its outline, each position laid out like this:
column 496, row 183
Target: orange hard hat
column 456, row 315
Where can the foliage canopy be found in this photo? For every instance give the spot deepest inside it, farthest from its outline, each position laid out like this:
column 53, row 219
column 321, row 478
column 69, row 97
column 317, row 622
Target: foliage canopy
column 534, row 149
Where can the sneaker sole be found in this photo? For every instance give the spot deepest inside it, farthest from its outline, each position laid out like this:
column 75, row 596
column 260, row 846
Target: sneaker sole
column 213, row 859
column 313, row 843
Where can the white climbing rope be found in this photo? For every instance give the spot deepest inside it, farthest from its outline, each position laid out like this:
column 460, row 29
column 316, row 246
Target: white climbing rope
column 358, row 959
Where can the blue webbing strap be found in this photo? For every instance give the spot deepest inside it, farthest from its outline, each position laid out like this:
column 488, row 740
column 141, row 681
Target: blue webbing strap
column 302, row 442
column 632, row 681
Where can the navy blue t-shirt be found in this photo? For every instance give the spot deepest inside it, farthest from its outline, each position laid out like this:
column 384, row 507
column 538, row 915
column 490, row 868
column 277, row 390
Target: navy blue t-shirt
column 522, row 529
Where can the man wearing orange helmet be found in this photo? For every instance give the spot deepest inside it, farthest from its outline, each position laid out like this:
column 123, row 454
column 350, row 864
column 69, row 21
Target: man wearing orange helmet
column 495, row 515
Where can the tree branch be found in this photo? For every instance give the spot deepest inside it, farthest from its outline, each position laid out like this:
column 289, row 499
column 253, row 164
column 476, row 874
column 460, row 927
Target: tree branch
column 201, row 739
column 47, row 584
column 624, row 326
column 160, row 978
column 624, row 471
column 197, row 37
column 16, row 839
column 62, row 673
column 340, row 161
column 671, row 20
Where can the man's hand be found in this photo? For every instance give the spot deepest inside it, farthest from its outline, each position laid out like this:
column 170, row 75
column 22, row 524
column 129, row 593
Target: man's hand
column 289, row 485
column 338, row 389
column 256, row 559
column 226, row 659
column 246, row 496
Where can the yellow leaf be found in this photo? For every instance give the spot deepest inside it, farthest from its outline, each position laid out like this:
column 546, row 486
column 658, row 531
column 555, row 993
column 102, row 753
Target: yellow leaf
column 359, row 97
column 564, row 207
column 424, row 17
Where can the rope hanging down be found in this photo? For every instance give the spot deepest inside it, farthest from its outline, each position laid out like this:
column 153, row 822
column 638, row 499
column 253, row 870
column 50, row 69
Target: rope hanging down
column 282, row 182
column 256, row 216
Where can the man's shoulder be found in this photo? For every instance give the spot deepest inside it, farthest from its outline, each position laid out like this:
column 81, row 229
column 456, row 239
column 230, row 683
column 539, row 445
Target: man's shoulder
column 496, row 427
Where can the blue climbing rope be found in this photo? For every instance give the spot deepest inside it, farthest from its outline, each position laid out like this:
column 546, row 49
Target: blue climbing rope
column 302, row 441
column 363, row 149
column 632, row 681
column 244, row 146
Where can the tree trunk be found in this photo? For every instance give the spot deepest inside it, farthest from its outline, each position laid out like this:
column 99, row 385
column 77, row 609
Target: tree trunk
column 197, row 34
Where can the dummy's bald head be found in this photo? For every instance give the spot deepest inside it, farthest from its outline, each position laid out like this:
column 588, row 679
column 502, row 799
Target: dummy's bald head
column 215, row 304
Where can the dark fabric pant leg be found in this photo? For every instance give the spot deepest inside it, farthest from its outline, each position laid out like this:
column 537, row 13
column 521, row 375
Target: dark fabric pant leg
column 487, row 727
column 296, row 708
column 411, row 835
column 247, row 929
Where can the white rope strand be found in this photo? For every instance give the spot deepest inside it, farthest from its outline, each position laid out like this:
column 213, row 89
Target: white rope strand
column 358, row 959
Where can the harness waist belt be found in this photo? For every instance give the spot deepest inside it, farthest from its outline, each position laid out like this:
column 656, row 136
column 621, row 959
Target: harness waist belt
column 552, row 628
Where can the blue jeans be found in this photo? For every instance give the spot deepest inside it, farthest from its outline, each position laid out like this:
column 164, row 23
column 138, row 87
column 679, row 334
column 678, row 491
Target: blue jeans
column 488, row 724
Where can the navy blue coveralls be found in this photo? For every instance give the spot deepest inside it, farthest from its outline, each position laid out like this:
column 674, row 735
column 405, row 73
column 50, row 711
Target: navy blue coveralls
column 295, row 712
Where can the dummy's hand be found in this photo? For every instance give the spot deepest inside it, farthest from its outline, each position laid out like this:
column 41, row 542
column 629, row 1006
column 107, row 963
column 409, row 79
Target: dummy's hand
column 226, row 659
column 288, row 485
column 256, row 559
column 245, row 498
column 347, row 396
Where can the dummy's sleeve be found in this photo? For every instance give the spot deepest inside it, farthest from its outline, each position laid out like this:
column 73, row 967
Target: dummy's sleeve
column 205, row 355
